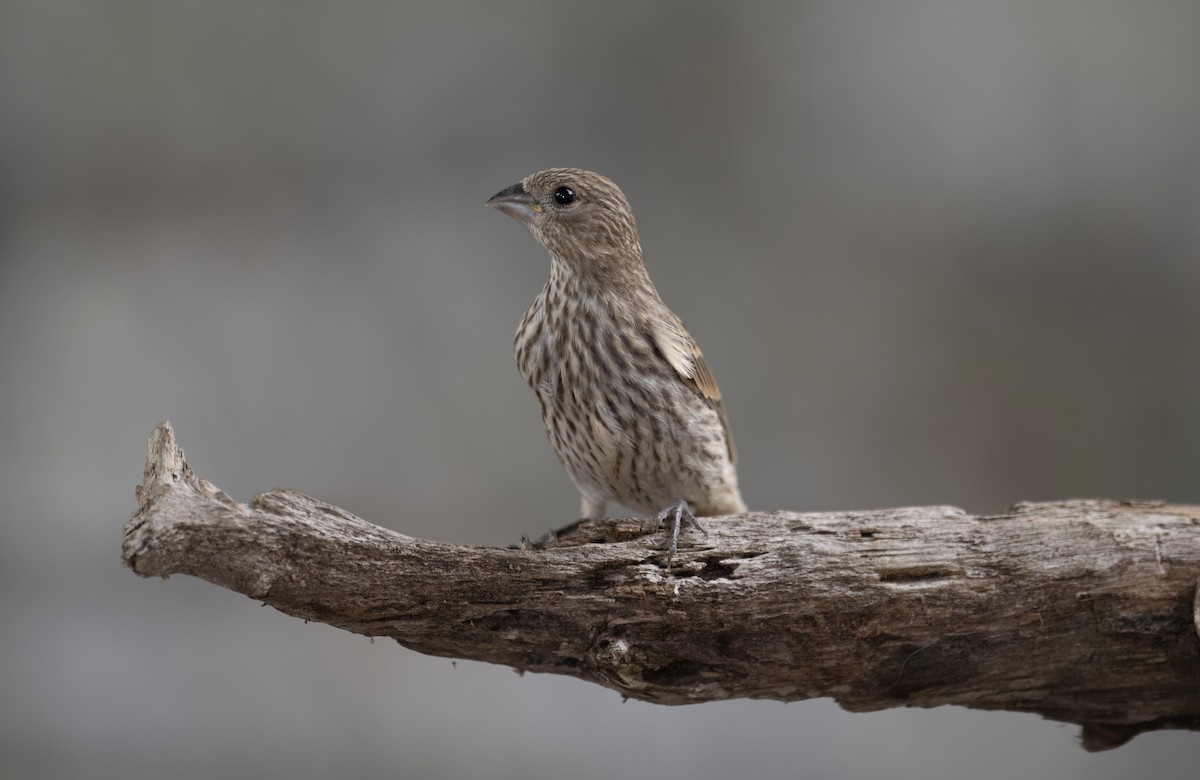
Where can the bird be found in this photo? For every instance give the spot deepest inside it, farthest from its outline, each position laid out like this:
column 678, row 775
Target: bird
column 628, row 401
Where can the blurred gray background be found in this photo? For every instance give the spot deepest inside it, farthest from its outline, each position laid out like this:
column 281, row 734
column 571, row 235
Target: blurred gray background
column 935, row 251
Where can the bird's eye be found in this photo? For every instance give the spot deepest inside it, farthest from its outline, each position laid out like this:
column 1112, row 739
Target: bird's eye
column 564, row 196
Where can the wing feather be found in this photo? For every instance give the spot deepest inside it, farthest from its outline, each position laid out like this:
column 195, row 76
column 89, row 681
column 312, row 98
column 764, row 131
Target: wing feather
column 681, row 352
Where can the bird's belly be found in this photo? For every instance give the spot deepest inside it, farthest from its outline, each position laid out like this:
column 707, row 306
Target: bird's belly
column 644, row 444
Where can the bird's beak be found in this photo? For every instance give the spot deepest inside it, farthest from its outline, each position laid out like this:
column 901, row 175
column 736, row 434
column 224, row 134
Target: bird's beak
column 515, row 202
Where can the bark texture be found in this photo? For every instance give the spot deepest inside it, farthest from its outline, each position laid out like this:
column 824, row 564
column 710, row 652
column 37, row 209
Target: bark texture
column 1083, row 611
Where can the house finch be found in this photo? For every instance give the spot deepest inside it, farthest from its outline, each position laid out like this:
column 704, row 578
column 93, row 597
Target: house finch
column 628, row 401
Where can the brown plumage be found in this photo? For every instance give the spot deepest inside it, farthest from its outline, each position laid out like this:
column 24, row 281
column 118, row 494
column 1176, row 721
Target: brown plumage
column 628, row 401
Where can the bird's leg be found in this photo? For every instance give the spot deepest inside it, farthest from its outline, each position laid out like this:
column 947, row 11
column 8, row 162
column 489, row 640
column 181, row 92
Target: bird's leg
column 681, row 514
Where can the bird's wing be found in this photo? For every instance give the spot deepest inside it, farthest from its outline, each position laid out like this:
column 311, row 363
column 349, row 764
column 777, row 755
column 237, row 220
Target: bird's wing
column 680, row 351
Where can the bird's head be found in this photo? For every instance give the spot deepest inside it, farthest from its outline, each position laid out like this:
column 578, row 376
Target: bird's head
column 581, row 217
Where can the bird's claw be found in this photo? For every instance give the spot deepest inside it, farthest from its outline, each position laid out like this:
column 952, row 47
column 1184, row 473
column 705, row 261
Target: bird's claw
column 539, row 543
column 681, row 515
column 548, row 539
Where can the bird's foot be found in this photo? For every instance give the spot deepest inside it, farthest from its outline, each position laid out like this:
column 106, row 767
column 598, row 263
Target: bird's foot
column 539, row 543
column 680, row 514
column 547, row 539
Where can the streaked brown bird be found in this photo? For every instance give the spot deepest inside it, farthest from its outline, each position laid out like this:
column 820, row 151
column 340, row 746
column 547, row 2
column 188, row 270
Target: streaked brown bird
column 629, row 404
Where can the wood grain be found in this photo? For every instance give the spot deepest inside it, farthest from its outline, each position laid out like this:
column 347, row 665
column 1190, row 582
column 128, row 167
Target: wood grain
column 1084, row 611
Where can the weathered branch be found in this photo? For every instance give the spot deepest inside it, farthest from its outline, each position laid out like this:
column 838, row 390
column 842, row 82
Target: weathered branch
column 1082, row 611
